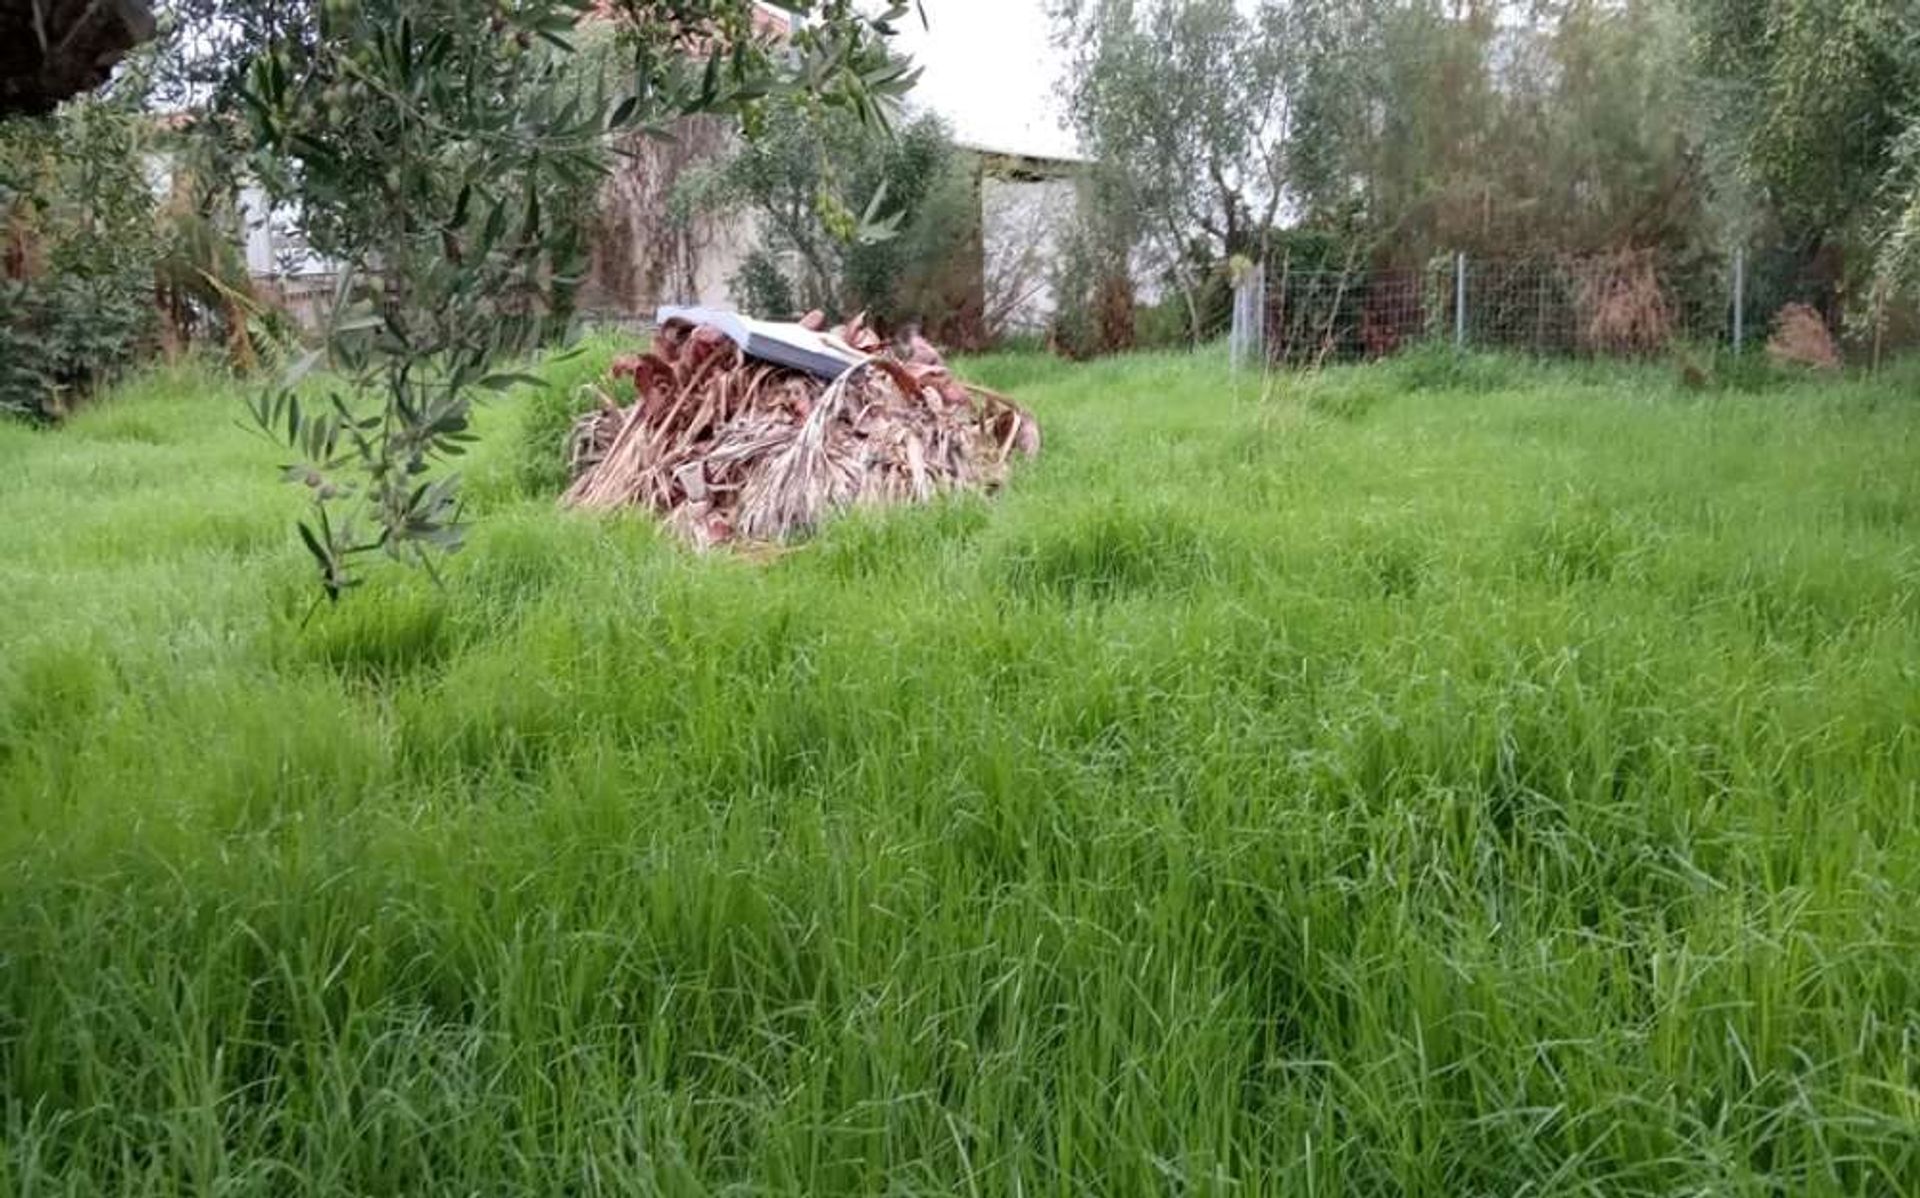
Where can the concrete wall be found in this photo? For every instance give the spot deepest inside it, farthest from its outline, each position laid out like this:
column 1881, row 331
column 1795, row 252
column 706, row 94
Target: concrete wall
column 640, row 256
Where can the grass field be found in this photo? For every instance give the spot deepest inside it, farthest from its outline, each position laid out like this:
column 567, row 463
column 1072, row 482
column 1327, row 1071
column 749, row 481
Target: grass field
column 1436, row 778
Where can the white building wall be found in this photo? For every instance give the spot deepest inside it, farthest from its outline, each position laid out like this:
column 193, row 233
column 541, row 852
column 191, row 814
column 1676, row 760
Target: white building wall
column 730, row 242
column 1023, row 224
column 274, row 246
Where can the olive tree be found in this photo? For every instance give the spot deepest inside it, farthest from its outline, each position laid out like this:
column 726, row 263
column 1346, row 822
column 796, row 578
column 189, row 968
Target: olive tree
column 442, row 152
column 1183, row 103
column 1811, row 104
column 851, row 221
column 1809, row 95
column 1898, row 264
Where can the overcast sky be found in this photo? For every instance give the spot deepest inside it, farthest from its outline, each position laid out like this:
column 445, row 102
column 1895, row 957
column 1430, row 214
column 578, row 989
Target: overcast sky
column 991, row 70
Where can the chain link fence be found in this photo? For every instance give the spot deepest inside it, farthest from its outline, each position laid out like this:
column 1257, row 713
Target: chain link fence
column 1625, row 304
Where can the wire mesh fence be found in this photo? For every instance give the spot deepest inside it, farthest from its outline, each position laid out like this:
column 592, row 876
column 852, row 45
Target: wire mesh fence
column 1624, row 304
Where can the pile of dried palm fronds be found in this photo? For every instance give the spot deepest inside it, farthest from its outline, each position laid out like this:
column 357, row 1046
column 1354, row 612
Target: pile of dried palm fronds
column 727, row 447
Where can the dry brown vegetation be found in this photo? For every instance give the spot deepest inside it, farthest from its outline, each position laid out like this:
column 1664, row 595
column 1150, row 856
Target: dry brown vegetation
column 1624, row 309
column 1801, row 338
column 727, row 448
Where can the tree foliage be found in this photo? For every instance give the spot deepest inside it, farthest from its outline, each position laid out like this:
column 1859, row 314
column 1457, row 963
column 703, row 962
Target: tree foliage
column 79, row 250
column 439, row 151
column 1183, row 103
column 851, row 221
column 1810, row 96
column 1091, row 277
column 1404, row 126
column 1566, row 132
column 1813, row 102
column 1898, row 264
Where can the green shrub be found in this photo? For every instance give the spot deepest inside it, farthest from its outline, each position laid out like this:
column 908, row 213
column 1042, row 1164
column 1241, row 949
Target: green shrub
column 1165, row 325
column 77, row 214
column 1749, row 372
column 1093, row 294
column 856, row 221
column 61, row 337
column 762, row 287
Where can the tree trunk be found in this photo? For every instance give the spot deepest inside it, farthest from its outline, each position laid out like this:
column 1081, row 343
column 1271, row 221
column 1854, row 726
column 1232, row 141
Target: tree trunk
column 53, row 50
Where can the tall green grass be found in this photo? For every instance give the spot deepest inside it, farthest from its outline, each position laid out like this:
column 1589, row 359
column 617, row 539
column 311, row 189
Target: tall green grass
column 1436, row 778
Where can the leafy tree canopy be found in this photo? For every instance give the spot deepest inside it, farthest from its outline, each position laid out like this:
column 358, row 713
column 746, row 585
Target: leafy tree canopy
column 441, row 151
column 850, row 222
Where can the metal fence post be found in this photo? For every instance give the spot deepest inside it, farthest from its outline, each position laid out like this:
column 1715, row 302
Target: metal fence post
column 1247, row 341
column 1237, row 337
column 1257, row 319
column 1460, row 300
column 1739, row 298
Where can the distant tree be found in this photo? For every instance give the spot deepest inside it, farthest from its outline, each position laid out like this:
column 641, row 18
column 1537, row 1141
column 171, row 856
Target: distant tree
column 1897, row 267
column 1811, row 96
column 1414, row 124
column 1184, row 104
column 1092, row 274
column 1439, row 125
column 852, row 220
